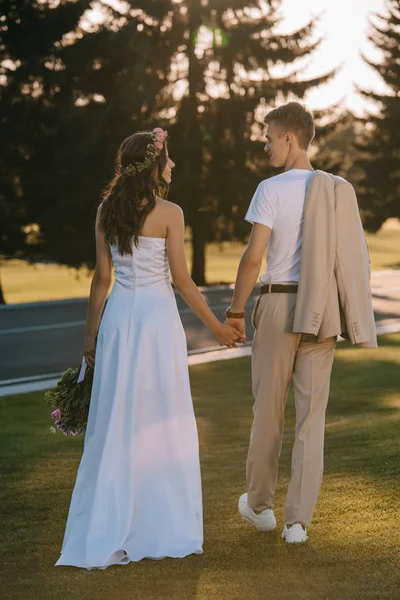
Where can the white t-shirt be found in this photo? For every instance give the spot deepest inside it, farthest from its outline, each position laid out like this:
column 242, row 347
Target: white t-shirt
column 278, row 203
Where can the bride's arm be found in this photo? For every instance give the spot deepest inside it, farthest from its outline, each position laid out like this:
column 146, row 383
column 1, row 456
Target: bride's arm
column 185, row 284
column 99, row 288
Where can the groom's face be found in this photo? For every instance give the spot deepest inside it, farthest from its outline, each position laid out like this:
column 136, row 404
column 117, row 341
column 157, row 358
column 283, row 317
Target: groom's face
column 277, row 146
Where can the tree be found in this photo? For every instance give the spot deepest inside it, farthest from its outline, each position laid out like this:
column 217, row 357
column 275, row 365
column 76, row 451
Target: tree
column 74, row 91
column 380, row 146
column 109, row 88
column 29, row 34
column 232, row 50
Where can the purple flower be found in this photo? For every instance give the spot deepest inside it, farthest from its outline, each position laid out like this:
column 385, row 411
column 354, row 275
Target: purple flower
column 160, row 134
column 56, row 415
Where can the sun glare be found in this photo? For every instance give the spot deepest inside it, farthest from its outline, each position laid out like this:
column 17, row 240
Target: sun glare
column 343, row 27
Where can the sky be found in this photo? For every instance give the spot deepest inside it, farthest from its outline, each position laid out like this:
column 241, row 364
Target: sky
column 344, row 24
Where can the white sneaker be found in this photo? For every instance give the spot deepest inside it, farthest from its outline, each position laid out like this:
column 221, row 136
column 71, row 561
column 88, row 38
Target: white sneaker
column 296, row 534
column 265, row 521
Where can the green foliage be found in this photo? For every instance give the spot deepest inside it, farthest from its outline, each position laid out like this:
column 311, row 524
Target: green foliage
column 380, row 145
column 219, row 149
column 71, row 96
column 72, row 399
column 30, row 34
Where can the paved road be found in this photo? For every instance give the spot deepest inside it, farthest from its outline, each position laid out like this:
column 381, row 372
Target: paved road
column 46, row 337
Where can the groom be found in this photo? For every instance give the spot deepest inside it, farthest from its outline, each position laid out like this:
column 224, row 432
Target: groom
column 297, row 319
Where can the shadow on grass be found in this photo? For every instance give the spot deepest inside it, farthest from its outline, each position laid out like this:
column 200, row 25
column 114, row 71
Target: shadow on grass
column 352, row 551
column 37, row 478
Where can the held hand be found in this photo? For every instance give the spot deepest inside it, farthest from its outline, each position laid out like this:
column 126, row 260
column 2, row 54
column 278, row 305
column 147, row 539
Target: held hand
column 89, row 350
column 228, row 336
column 239, row 324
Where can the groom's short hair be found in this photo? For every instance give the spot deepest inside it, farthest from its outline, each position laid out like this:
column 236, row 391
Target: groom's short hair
column 295, row 117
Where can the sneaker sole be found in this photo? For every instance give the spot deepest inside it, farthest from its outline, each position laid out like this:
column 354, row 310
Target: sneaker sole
column 269, row 528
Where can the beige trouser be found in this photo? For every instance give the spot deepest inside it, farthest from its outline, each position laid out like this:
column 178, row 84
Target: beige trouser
column 278, row 356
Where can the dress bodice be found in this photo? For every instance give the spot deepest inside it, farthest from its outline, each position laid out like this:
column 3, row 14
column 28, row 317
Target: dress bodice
column 148, row 264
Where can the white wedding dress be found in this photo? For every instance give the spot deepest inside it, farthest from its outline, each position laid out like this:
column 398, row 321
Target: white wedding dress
column 138, row 487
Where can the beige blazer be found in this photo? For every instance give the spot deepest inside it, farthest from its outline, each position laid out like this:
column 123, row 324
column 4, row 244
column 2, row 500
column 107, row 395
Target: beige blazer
column 334, row 295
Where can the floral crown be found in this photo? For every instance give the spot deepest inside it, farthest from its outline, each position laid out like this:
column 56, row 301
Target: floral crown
column 153, row 151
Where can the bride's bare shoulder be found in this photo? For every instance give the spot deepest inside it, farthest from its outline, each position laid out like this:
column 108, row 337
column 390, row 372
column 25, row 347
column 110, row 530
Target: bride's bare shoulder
column 170, row 208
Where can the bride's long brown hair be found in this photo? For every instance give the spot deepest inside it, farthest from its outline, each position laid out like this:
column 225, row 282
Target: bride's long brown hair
column 123, row 213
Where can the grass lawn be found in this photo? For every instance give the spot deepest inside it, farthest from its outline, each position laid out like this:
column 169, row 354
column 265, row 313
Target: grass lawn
column 354, row 546
column 33, row 283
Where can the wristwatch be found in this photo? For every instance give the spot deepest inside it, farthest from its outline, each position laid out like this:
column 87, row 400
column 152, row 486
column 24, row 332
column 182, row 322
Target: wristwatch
column 232, row 315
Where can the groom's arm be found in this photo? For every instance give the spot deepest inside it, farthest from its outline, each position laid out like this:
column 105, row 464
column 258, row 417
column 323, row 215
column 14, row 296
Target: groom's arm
column 248, row 271
column 250, row 265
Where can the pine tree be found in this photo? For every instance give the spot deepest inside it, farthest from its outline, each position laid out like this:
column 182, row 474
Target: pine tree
column 109, row 89
column 228, row 80
column 379, row 188
column 74, row 95
column 29, row 34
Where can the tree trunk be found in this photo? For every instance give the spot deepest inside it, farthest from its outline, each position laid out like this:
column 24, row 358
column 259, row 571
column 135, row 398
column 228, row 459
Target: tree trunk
column 2, row 298
column 198, row 253
column 194, row 146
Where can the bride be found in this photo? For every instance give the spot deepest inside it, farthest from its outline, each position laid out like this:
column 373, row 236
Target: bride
column 138, row 488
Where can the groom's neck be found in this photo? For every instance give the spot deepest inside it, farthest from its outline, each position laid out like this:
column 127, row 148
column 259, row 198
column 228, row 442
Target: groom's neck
column 299, row 161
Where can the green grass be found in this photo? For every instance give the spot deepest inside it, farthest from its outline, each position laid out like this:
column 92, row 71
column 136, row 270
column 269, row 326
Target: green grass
column 384, row 248
column 354, row 548
column 33, row 283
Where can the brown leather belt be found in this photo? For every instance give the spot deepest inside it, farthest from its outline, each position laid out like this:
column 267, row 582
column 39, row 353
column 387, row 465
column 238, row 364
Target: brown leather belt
column 279, row 288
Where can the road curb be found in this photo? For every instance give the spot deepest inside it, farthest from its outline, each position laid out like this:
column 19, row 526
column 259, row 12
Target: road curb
column 25, row 385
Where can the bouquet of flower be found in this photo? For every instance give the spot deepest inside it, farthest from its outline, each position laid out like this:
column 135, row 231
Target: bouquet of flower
column 70, row 400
